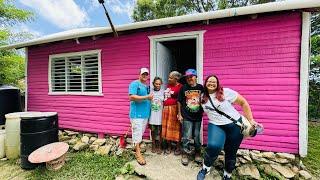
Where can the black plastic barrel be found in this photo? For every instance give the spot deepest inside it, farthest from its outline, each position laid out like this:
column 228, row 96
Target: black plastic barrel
column 36, row 132
column 10, row 101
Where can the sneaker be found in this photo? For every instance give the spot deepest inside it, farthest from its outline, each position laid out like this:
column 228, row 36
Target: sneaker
column 184, row 159
column 202, row 174
column 226, row 178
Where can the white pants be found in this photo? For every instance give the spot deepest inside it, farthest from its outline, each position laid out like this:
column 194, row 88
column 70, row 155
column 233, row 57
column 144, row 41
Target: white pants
column 138, row 127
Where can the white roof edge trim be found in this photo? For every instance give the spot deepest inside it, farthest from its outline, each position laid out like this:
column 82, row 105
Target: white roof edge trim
column 246, row 10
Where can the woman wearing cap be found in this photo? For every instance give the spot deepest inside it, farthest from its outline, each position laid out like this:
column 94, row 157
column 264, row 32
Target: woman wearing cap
column 170, row 124
column 139, row 110
column 222, row 132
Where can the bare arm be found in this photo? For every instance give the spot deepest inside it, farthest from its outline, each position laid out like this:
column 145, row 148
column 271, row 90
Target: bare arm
column 139, row 98
column 245, row 107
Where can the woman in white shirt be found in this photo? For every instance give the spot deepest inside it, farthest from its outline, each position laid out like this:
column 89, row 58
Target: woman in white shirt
column 222, row 132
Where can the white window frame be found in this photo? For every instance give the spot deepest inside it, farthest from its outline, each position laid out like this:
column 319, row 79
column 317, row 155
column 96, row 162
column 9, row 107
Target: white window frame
column 80, row 53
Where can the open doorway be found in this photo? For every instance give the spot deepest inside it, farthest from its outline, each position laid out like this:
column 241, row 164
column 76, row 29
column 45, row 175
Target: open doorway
column 175, row 55
column 178, row 51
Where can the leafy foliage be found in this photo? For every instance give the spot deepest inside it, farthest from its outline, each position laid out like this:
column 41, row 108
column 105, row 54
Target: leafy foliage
column 155, row 9
column 11, row 62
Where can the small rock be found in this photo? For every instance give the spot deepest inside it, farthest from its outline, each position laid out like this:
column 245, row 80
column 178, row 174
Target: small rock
column 242, row 160
column 129, row 140
column 281, row 160
column 147, row 141
column 249, row 170
column 264, row 160
column 85, row 139
column 114, row 148
column 255, row 151
column 290, row 157
column 295, row 169
column 92, row 139
column 255, row 156
column 80, row 146
column 269, row 155
column 64, row 138
column 304, row 174
column 112, row 141
column 269, row 171
column 70, row 133
column 88, row 135
column 100, row 142
column 72, row 141
column 104, row 150
column 60, row 133
column 283, row 170
column 243, row 152
column 117, row 142
column 129, row 146
column 4, row 159
column 94, row 147
column 119, row 152
column 247, row 157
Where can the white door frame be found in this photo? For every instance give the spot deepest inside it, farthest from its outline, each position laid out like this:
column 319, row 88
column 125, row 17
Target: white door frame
column 197, row 35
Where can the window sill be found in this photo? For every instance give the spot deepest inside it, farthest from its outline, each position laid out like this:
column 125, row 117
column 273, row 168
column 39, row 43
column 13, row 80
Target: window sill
column 75, row 94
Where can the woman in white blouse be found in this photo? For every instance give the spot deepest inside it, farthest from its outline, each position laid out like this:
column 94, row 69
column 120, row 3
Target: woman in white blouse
column 222, row 132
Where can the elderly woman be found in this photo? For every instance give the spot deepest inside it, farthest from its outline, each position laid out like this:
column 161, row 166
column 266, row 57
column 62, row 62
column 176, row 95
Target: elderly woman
column 171, row 127
column 222, row 132
column 139, row 110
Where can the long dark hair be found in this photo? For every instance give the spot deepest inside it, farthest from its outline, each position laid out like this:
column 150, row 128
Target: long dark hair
column 219, row 91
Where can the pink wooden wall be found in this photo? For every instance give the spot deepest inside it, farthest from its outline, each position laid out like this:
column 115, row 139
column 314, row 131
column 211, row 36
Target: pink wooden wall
column 258, row 58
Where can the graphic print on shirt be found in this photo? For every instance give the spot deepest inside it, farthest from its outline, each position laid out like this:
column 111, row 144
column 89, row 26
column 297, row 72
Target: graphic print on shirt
column 193, row 100
column 156, row 104
column 168, row 93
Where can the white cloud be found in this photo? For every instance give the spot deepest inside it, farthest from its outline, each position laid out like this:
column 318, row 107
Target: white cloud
column 121, row 7
column 22, row 28
column 65, row 14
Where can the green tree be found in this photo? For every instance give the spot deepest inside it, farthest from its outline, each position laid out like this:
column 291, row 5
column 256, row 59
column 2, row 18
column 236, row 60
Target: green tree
column 11, row 63
column 155, row 9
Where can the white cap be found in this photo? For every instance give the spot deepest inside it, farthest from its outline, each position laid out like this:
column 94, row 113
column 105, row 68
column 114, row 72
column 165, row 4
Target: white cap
column 144, row 70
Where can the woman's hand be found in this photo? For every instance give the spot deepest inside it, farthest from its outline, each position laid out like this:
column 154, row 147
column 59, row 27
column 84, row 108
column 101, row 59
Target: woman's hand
column 180, row 118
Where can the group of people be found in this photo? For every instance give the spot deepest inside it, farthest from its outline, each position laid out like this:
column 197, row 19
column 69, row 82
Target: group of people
column 174, row 115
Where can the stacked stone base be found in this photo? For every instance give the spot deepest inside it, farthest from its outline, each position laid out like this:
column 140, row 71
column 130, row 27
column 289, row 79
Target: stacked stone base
column 251, row 164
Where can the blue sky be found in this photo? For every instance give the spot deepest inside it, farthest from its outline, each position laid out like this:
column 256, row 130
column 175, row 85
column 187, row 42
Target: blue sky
column 53, row 16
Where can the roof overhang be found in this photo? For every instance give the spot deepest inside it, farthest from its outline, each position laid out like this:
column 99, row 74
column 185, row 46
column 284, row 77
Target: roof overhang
column 247, row 10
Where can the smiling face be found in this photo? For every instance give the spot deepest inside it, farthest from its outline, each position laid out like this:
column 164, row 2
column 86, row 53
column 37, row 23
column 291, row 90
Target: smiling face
column 144, row 77
column 172, row 80
column 157, row 84
column 212, row 84
column 191, row 80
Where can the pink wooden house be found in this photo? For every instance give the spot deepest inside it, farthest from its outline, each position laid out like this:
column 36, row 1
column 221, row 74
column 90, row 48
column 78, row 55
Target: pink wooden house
column 262, row 51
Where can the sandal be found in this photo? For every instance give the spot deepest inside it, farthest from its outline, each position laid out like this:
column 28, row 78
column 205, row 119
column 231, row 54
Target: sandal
column 177, row 151
column 167, row 151
column 140, row 159
column 159, row 151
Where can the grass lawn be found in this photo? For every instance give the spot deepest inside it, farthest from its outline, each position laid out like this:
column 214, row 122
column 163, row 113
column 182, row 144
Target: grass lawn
column 85, row 165
column 312, row 161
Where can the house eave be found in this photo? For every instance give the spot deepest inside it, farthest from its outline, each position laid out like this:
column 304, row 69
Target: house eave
column 239, row 11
